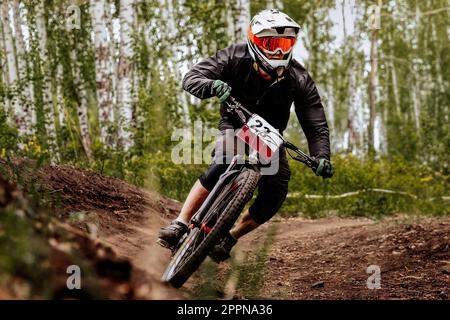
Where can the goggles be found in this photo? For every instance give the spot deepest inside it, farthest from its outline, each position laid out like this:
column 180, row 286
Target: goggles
column 273, row 44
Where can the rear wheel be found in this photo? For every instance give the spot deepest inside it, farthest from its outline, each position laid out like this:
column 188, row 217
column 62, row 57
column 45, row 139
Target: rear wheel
column 219, row 219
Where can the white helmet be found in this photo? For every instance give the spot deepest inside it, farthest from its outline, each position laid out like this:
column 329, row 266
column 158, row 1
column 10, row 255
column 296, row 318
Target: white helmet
column 271, row 32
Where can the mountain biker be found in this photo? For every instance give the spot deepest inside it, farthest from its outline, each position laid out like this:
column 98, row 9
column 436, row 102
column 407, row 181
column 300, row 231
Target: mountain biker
column 262, row 75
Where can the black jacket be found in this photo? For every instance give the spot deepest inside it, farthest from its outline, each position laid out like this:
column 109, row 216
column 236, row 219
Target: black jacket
column 234, row 65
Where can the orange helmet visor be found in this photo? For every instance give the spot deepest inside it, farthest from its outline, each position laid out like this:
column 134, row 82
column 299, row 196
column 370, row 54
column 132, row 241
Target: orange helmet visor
column 273, row 44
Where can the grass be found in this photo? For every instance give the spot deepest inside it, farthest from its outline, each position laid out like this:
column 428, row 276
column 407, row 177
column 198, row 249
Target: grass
column 248, row 270
column 252, row 270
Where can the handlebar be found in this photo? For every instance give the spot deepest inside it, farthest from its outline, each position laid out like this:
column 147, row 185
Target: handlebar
column 235, row 107
column 311, row 162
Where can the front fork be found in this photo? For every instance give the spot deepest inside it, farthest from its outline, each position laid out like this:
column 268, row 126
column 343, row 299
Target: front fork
column 234, row 168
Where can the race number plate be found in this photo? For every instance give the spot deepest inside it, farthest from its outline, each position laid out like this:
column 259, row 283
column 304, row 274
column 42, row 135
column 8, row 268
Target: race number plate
column 261, row 137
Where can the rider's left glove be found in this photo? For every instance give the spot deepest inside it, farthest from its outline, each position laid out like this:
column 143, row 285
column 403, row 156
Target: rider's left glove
column 324, row 169
column 222, row 90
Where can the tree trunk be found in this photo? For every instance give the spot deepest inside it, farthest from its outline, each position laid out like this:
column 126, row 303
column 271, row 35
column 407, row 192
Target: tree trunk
column 238, row 19
column 13, row 77
column 102, row 67
column 344, row 26
column 351, row 45
column 60, row 96
column 231, row 26
column 48, row 108
column 416, row 73
column 26, row 85
column 393, row 69
column 82, row 109
column 125, row 73
column 6, row 104
column 243, row 20
column 112, row 67
column 373, row 83
column 354, row 139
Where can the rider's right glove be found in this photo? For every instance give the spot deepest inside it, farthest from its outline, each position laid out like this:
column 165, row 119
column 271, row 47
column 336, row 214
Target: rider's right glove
column 222, row 90
column 324, row 169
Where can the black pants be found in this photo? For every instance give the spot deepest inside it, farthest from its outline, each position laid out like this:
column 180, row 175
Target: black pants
column 272, row 189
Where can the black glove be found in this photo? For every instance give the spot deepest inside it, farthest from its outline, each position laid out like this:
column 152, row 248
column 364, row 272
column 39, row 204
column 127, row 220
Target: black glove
column 324, row 169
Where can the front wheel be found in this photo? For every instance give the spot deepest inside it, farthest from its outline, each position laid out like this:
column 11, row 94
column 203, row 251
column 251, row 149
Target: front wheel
column 219, row 219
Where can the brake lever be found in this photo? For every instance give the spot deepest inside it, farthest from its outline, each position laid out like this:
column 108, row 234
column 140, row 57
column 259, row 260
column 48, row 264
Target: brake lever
column 232, row 106
column 241, row 115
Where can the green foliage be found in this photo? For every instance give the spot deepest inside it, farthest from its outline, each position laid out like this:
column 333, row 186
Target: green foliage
column 423, row 186
column 8, row 135
column 252, row 270
column 173, row 180
column 23, row 253
column 209, row 285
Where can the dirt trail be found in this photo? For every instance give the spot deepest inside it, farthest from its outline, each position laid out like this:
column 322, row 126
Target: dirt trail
column 328, row 259
column 119, row 216
column 309, row 259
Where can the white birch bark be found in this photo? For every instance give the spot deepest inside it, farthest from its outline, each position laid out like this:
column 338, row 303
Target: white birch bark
column 354, row 138
column 438, row 64
column 59, row 96
column 102, row 67
column 373, row 84
column 393, row 70
column 416, row 103
column 351, row 46
column 243, row 20
column 125, row 73
column 49, row 112
column 238, row 18
column 13, row 76
column 4, row 74
column 112, row 67
column 416, row 72
column 171, row 21
column 82, row 109
column 26, row 87
column 137, row 115
column 170, row 17
column 231, row 26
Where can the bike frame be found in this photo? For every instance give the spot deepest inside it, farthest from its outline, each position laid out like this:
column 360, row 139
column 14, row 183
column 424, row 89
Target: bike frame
column 236, row 166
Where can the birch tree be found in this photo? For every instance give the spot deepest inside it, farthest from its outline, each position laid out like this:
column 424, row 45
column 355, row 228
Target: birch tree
column 26, row 88
column 12, row 75
column 60, row 95
column 125, row 73
column 112, row 69
column 102, row 66
column 82, row 109
column 373, row 80
column 48, row 108
column 238, row 19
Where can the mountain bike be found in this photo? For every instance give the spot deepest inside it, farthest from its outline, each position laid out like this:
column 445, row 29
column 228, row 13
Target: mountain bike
column 232, row 192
